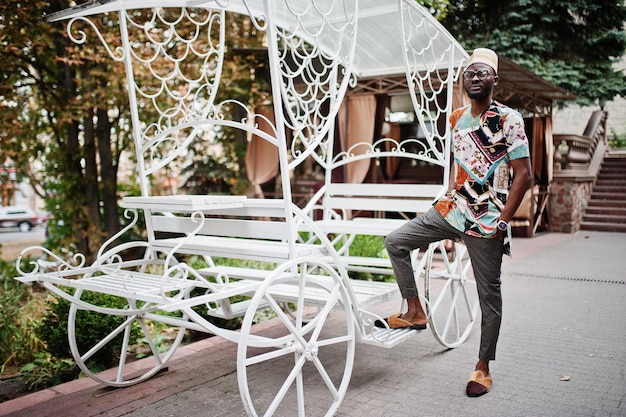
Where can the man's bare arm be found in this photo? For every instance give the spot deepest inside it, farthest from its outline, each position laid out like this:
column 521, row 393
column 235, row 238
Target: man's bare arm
column 522, row 179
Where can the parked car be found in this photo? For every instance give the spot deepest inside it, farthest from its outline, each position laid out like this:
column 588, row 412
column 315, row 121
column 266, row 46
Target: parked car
column 21, row 217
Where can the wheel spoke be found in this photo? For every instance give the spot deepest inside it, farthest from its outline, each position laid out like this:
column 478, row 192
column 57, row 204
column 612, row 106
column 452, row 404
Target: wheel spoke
column 149, row 339
column 314, row 344
column 326, row 378
column 323, row 314
column 266, row 356
column 300, row 394
column 295, row 372
column 126, row 324
column 123, row 353
column 435, row 306
column 334, row 340
column 466, row 295
column 452, row 301
column 452, row 316
column 285, row 319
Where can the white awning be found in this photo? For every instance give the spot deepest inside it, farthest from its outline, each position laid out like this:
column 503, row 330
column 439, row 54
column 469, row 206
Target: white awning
column 379, row 34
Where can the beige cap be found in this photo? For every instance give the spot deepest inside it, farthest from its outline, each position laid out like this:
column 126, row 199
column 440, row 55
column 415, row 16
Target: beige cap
column 484, row 56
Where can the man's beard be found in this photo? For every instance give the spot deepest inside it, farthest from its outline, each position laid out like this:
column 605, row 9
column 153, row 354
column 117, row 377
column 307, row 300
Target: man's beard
column 480, row 95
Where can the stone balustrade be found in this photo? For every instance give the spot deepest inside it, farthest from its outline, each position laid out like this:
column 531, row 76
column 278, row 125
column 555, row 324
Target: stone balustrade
column 577, row 160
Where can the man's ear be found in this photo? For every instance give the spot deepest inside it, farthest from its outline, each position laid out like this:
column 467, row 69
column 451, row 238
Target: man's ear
column 495, row 80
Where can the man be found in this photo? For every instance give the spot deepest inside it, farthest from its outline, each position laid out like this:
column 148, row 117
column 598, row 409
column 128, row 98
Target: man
column 488, row 142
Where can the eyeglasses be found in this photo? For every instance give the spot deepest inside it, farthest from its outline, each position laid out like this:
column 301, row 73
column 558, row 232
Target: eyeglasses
column 481, row 74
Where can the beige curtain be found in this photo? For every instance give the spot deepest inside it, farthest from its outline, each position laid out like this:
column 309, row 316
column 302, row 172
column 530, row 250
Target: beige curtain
column 542, row 157
column 261, row 156
column 537, row 157
column 356, row 125
column 549, row 155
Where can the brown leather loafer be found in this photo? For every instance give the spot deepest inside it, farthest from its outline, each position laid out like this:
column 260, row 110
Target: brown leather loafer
column 478, row 384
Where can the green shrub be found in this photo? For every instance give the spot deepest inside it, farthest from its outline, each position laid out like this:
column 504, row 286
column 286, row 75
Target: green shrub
column 371, row 247
column 91, row 327
column 47, row 371
column 617, row 140
column 16, row 329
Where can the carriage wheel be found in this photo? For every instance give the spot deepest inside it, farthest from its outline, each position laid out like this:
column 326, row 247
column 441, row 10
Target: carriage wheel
column 451, row 295
column 310, row 355
column 129, row 333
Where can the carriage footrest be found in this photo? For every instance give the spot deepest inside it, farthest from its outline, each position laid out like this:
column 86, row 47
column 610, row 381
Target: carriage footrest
column 388, row 338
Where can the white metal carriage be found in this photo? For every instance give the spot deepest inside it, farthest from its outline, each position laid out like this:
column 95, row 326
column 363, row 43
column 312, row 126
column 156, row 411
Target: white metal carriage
column 173, row 52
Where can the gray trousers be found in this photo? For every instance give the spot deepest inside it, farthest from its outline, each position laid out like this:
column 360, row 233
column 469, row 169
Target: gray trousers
column 485, row 254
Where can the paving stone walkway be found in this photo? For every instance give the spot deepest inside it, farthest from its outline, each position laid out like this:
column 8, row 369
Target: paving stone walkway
column 562, row 352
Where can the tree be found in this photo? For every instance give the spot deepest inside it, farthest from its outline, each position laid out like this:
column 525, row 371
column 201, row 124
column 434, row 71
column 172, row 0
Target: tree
column 65, row 106
column 59, row 106
column 573, row 44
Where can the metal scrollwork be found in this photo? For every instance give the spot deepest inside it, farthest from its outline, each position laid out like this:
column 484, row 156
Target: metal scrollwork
column 118, row 54
column 54, row 261
column 314, row 51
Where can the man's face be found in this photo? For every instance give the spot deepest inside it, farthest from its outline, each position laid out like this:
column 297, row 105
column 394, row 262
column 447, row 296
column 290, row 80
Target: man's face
column 476, row 88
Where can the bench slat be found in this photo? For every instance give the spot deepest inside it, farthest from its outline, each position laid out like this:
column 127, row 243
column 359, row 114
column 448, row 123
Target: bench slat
column 261, row 250
column 253, row 229
column 379, row 204
column 359, row 225
column 395, row 198
column 385, row 190
column 183, row 203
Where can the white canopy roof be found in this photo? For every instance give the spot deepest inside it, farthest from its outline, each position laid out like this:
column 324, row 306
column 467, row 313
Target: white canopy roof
column 379, row 34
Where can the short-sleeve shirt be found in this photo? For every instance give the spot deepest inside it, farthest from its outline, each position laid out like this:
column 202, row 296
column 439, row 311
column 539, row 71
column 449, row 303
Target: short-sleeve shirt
column 483, row 147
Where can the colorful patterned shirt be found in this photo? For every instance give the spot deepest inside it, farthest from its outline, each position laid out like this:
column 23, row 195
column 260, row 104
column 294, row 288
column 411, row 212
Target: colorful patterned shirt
column 483, row 148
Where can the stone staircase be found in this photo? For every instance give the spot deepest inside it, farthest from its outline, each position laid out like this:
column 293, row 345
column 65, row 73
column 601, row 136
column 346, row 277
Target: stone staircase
column 606, row 209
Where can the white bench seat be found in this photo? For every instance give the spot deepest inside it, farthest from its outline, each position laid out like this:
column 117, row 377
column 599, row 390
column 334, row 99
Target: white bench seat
column 123, row 283
column 367, row 293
